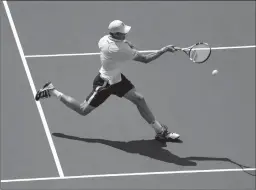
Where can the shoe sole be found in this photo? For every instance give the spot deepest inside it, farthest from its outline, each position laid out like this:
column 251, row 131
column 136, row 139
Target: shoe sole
column 169, row 139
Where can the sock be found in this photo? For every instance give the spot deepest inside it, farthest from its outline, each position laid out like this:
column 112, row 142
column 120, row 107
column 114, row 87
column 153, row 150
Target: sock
column 157, row 126
column 56, row 93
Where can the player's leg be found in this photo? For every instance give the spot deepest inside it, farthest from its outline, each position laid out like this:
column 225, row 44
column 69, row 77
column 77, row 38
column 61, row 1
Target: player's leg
column 160, row 129
column 143, row 109
column 81, row 108
column 49, row 90
column 139, row 100
column 96, row 97
column 127, row 90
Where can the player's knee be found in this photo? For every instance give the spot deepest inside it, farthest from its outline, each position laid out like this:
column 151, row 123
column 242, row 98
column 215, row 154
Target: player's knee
column 135, row 97
column 85, row 110
column 138, row 98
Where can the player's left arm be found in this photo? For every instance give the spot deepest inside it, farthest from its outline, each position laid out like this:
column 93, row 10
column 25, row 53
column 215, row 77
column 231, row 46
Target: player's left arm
column 153, row 56
column 137, row 56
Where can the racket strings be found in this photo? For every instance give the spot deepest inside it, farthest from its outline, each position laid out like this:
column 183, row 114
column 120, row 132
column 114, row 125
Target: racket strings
column 193, row 55
column 200, row 53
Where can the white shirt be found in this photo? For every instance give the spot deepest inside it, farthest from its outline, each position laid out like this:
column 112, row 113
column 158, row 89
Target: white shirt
column 113, row 52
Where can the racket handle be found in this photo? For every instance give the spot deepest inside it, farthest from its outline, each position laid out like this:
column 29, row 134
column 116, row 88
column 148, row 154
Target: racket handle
column 181, row 49
column 177, row 48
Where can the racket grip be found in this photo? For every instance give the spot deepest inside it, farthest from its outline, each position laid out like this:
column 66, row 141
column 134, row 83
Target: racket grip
column 177, row 48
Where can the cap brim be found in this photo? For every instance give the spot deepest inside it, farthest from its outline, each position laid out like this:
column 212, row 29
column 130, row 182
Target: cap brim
column 127, row 29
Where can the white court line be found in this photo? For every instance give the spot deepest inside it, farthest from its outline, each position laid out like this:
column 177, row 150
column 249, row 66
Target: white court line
column 144, row 51
column 33, row 88
column 128, row 174
column 76, row 54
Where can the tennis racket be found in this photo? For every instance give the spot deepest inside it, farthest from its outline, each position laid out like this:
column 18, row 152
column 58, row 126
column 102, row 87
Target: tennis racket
column 198, row 53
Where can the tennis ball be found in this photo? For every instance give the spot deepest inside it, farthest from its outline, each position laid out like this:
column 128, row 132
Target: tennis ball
column 215, row 72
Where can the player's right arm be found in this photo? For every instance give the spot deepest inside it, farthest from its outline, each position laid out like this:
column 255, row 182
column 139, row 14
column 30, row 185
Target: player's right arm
column 152, row 56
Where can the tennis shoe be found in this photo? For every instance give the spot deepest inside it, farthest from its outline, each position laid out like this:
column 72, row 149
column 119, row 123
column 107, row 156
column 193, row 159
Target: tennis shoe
column 44, row 92
column 165, row 135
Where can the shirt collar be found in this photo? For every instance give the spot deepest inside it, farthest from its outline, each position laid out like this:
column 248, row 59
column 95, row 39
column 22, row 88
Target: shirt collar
column 116, row 40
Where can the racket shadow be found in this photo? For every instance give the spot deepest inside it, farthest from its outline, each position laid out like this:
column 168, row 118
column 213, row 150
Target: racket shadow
column 149, row 148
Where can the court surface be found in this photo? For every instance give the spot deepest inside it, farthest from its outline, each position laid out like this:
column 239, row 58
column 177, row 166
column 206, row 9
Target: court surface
column 44, row 145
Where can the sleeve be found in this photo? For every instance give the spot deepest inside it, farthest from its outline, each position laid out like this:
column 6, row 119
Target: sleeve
column 100, row 43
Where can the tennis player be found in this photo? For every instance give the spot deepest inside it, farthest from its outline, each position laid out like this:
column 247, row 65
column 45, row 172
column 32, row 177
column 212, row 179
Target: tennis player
column 114, row 49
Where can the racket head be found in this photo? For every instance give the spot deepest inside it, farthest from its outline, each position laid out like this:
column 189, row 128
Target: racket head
column 199, row 52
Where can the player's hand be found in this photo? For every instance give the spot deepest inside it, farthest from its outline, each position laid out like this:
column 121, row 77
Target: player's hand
column 169, row 48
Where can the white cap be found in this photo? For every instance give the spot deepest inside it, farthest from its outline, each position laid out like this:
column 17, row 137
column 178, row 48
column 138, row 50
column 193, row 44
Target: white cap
column 118, row 26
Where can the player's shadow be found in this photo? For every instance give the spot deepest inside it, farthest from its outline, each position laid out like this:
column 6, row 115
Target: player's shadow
column 150, row 148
